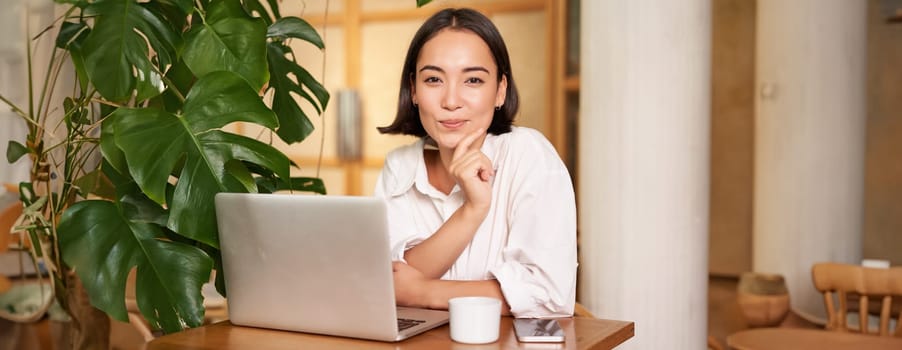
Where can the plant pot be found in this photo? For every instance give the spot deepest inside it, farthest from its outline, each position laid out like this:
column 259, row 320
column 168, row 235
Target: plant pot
column 87, row 327
column 763, row 299
column 82, row 327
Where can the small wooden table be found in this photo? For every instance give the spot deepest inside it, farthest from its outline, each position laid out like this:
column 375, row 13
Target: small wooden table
column 581, row 333
column 800, row 338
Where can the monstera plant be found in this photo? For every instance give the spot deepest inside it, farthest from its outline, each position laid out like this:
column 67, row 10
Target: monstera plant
column 126, row 166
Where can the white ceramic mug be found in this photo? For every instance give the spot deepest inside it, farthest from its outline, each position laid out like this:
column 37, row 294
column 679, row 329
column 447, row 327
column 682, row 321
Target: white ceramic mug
column 475, row 320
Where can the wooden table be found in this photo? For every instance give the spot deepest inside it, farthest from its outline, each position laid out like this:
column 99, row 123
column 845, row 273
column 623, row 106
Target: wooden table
column 581, row 333
column 800, row 338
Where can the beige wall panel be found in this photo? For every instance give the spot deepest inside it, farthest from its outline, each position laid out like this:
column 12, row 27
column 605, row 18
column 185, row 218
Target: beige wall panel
column 883, row 172
column 732, row 136
column 394, row 5
column 311, row 58
column 387, row 5
column 310, row 7
column 384, row 47
column 369, row 177
column 525, row 36
column 328, row 66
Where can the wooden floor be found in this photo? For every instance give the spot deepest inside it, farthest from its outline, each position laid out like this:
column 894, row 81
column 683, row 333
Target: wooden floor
column 724, row 318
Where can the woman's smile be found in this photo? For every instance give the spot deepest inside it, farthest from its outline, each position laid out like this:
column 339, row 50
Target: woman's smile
column 454, row 124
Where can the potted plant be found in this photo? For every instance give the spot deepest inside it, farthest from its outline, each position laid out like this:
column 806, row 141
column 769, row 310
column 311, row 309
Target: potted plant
column 142, row 146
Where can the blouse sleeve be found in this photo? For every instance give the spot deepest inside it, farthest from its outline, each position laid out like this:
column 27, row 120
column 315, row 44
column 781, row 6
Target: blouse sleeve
column 537, row 273
column 402, row 235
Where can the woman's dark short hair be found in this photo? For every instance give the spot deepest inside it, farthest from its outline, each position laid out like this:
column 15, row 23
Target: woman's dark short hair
column 407, row 120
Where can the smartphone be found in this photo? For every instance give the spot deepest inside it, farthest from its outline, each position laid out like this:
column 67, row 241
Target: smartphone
column 538, row 330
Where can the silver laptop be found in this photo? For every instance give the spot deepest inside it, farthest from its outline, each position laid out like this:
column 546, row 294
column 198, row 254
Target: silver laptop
column 316, row 264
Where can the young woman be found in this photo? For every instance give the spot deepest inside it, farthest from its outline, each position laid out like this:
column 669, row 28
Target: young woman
column 476, row 206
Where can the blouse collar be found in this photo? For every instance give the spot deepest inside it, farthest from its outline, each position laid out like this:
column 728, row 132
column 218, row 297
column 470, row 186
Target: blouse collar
column 416, row 175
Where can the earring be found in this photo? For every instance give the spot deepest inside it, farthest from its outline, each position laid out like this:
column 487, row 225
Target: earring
column 497, row 108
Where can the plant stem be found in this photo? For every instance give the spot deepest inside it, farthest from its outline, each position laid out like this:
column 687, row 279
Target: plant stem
column 46, row 88
column 172, row 86
column 18, row 111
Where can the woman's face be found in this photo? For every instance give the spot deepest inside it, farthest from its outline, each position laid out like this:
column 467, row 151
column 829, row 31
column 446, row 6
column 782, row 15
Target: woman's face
column 455, row 86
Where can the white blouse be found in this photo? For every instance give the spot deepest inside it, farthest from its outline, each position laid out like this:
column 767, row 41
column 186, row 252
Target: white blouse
column 528, row 239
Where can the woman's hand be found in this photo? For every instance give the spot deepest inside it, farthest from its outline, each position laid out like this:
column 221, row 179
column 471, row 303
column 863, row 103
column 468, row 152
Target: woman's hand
column 473, row 171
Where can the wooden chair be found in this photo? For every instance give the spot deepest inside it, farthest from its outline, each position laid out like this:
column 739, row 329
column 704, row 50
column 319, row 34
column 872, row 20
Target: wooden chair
column 875, row 285
column 713, row 343
column 581, row 311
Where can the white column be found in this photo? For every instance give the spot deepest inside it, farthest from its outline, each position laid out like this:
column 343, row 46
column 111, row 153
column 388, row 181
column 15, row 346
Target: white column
column 809, row 140
column 644, row 167
column 21, row 20
column 12, row 85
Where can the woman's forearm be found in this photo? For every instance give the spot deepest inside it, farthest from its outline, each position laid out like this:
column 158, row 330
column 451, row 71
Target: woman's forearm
column 434, row 256
column 436, row 293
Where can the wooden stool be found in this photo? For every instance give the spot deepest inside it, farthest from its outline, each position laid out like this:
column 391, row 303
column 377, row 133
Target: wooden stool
column 763, row 299
column 8, row 218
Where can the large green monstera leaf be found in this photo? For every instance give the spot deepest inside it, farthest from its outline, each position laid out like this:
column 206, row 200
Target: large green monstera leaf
column 116, row 51
column 102, row 244
column 289, row 79
column 157, row 145
column 228, row 39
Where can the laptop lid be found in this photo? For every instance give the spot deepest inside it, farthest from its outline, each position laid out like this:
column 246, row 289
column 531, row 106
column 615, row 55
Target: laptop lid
column 317, row 264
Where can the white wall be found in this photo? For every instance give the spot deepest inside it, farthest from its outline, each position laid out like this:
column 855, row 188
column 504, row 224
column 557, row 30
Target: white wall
column 20, row 21
column 12, row 83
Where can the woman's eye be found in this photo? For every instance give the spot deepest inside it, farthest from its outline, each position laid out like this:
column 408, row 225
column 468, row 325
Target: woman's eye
column 432, row 80
column 474, row 80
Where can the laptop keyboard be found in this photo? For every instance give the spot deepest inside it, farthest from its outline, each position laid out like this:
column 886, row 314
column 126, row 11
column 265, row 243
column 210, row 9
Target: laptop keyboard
column 405, row 323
